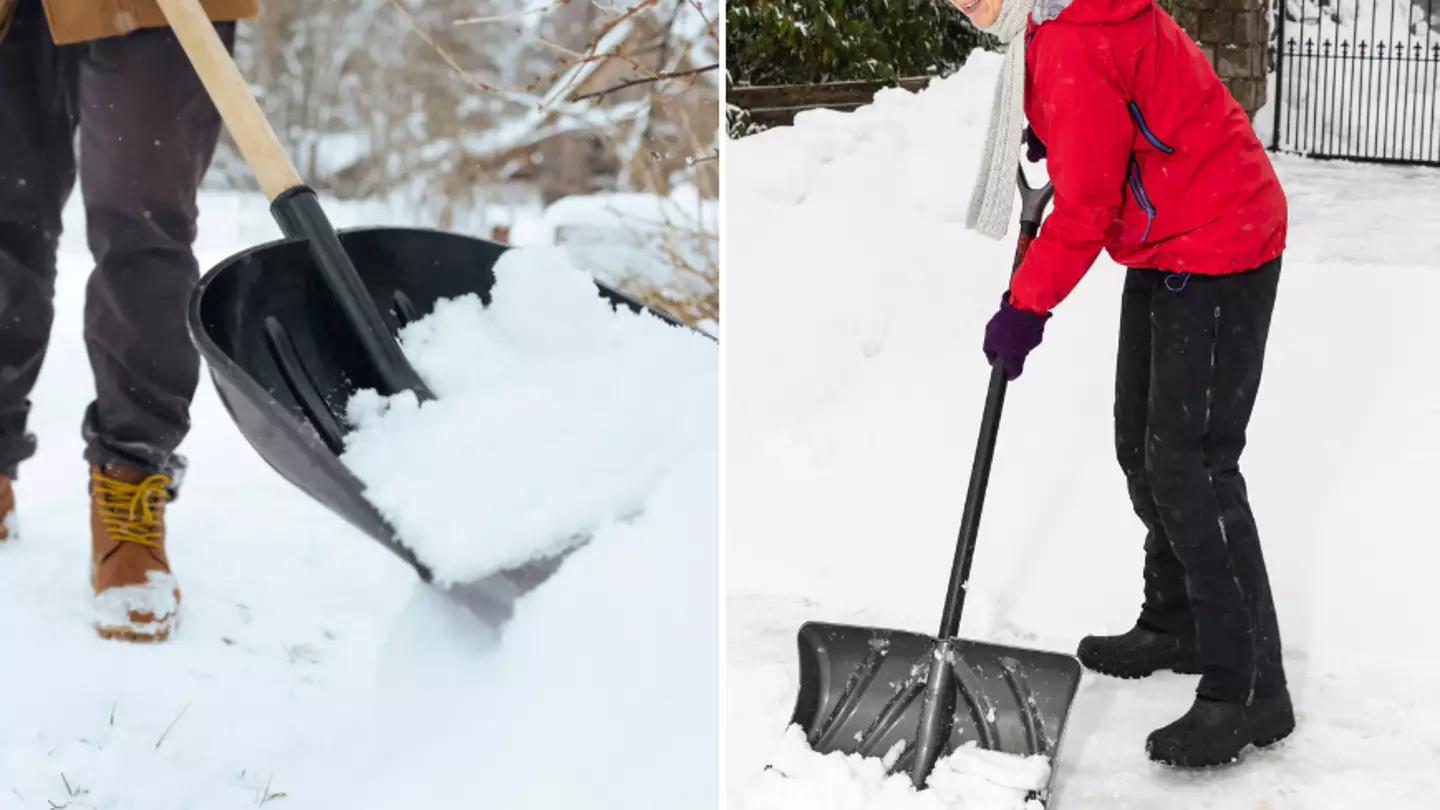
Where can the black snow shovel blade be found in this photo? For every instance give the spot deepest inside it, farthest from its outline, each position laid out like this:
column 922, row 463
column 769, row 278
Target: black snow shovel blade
column 285, row 362
column 863, row 690
column 891, row 693
column 291, row 329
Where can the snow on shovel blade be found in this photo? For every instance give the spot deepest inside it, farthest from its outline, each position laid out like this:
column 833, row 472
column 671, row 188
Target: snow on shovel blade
column 285, row 364
column 862, row 689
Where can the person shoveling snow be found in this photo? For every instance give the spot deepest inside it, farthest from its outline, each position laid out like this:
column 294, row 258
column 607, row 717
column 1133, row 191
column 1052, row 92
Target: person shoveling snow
column 147, row 133
column 1155, row 162
column 315, row 671
column 862, row 296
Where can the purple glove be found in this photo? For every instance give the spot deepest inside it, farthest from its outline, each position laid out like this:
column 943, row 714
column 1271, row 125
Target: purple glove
column 1011, row 335
column 1035, row 150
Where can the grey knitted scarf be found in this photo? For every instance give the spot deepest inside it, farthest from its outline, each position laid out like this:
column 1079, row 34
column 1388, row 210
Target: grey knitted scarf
column 994, row 192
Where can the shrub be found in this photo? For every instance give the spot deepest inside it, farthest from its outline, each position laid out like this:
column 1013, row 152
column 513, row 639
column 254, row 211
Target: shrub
column 818, row 41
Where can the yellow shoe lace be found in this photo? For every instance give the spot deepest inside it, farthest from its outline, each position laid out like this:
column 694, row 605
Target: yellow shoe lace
column 131, row 512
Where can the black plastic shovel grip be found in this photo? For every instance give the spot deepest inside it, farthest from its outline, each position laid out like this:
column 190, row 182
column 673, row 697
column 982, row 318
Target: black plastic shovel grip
column 1032, row 210
column 298, row 213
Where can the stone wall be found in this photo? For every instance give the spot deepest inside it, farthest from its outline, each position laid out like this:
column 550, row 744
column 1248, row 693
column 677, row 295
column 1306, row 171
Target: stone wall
column 1235, row 35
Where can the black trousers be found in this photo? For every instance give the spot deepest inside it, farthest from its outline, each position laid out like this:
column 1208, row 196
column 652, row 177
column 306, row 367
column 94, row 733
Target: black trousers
column 147, row 133
column 1187, row 374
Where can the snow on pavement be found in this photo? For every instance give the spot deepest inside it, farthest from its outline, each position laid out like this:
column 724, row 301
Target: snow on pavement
column 855, row 303
column 968, row 777
column 311, row 668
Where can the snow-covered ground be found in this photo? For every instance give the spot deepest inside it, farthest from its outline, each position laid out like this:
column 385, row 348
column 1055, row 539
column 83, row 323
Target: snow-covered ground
column 311, row 669
column 855, row 306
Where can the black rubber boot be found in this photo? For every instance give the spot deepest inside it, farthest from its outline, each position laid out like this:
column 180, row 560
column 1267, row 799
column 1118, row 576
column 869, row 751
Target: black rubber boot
column 1140, row 652
column 1214, row 732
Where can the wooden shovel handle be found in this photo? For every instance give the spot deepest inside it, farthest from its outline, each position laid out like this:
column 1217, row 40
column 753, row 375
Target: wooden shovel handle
column 232, row 97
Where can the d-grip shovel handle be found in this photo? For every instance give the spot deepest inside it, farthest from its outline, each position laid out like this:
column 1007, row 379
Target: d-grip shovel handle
column 293, row 205
column 1032, row 209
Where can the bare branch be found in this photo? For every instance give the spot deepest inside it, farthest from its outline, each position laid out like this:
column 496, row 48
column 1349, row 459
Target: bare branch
column 514, row 15
column 594, row 45
column 444, row 54
column 660, row 77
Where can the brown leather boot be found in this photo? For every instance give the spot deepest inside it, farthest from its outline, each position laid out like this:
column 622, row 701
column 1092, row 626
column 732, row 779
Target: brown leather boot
column 7, row 504
column 136, row 596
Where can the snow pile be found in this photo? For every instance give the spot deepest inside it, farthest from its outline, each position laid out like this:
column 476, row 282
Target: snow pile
column 856, row 303
column 1355, row 21
column 968, row 779
column 601, row 694
column 554, row 414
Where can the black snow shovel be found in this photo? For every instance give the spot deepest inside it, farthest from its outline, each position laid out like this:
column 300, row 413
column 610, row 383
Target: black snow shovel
column 292, row 328
column 875, row 691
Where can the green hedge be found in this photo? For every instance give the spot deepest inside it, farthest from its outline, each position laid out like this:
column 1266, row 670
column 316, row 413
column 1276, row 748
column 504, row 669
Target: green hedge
column 818, row 41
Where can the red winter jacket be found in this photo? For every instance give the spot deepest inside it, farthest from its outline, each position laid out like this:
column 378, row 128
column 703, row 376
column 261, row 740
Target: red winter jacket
column 1152, row 158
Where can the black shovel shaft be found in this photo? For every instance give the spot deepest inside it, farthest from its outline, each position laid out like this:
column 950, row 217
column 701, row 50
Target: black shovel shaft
column 985, row 445
column 297, row 211
column 866, row 690
column 934, row 712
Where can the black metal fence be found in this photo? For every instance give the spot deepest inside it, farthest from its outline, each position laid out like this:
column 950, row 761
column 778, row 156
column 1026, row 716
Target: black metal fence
column 1359, row 80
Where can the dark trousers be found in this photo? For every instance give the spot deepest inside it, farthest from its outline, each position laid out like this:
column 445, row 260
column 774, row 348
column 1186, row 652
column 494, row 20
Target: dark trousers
column 147, row 133
column 1190, row 356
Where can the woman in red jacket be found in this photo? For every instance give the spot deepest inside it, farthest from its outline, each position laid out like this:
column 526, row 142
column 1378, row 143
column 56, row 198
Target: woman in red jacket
column 1153, row 161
